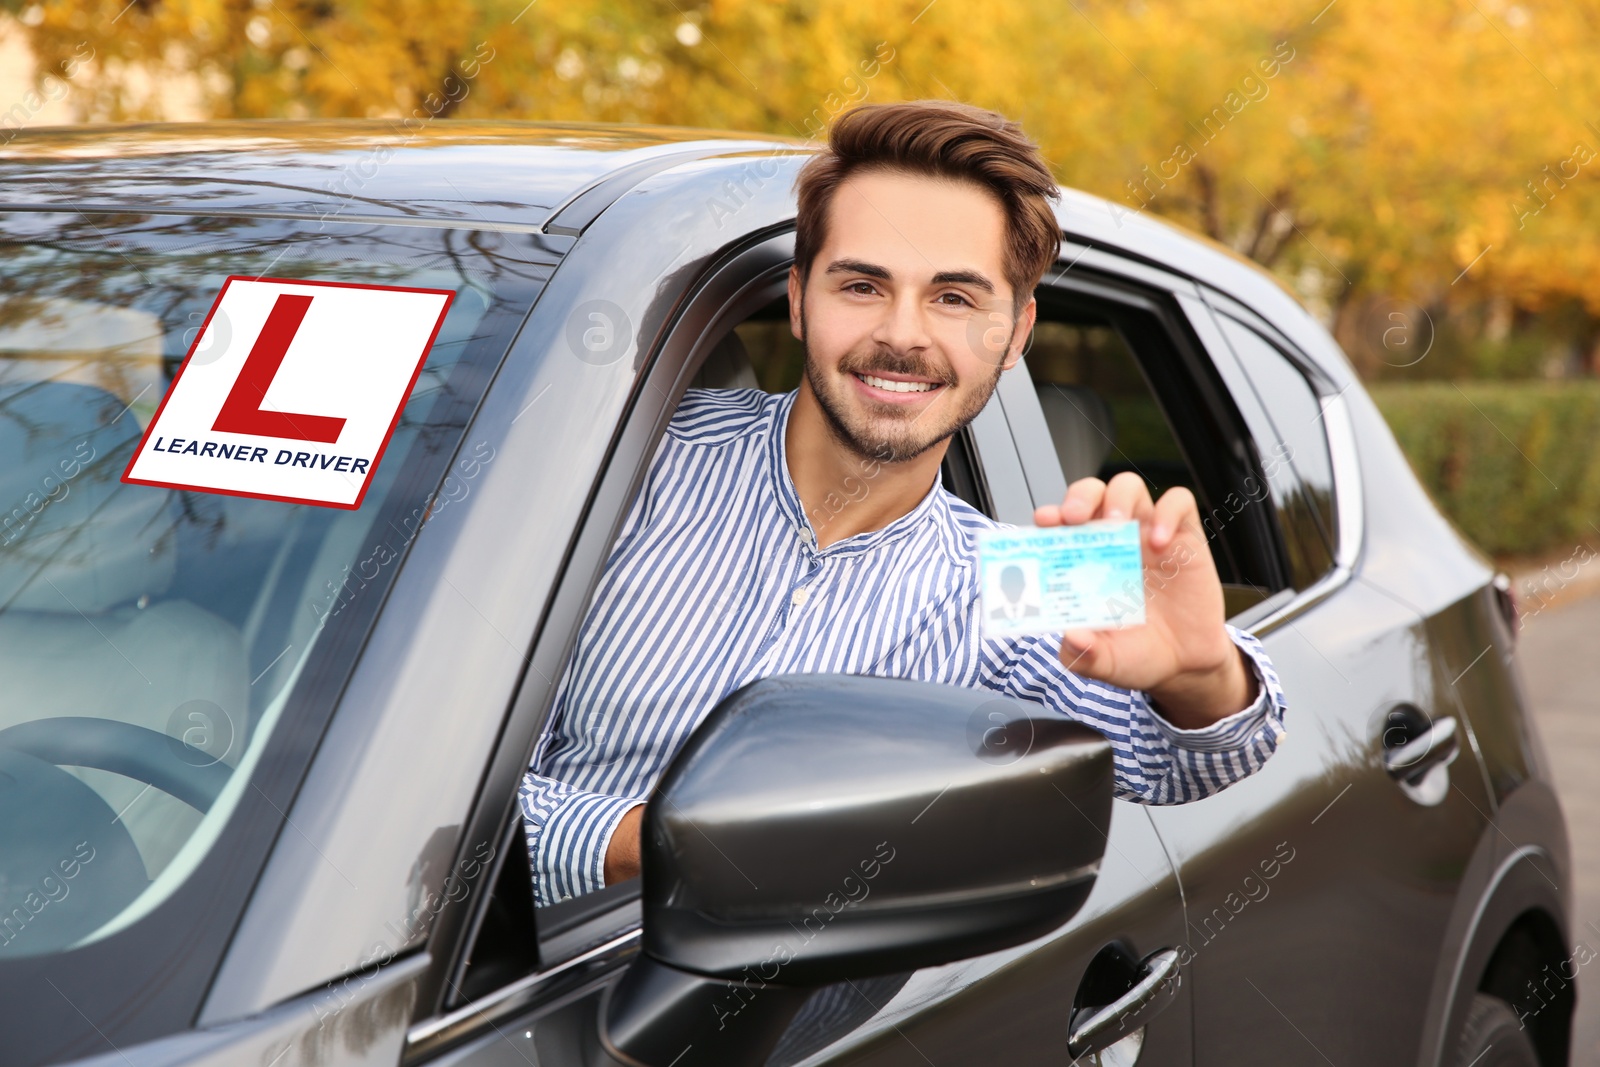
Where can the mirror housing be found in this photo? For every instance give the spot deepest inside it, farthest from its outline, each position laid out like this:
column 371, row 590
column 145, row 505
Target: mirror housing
column 817, row 828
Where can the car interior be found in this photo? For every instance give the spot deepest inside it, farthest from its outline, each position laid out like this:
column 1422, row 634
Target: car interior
column 136, row 614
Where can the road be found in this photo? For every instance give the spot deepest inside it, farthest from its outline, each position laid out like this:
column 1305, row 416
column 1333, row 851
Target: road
column 1561, row 668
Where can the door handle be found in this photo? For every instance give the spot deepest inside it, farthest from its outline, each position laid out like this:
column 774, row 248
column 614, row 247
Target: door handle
column 1411, row 762
column 1093, row 1029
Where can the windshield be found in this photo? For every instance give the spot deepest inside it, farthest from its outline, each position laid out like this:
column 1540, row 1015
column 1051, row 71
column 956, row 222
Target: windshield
column 152, row 637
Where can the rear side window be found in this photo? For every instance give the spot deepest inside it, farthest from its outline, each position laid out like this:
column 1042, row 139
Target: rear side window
column 154, row 640
column 1293, row 445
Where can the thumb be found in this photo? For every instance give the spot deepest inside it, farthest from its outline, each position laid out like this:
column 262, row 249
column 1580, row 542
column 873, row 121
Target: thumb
column 1082, row 651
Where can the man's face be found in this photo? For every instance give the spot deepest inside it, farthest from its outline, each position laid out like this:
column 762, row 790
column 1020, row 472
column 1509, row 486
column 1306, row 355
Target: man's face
column 907, row 315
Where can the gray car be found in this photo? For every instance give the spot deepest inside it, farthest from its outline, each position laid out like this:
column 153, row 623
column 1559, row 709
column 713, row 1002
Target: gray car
column 259, row 758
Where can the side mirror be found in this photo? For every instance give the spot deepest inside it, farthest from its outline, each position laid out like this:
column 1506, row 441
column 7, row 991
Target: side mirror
column 817, row 828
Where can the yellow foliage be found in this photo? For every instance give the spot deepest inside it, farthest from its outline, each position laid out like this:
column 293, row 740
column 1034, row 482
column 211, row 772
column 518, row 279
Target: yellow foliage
column 1358, row 148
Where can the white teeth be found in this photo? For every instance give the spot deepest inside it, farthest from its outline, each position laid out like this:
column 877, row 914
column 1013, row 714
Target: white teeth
column 896, row 387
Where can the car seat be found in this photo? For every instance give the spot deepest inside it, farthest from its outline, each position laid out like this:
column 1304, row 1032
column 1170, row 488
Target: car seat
column 84, row 629
column 1082, row 427
column 727, row 366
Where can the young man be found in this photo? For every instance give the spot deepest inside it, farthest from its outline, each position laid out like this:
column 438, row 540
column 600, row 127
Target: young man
column 922, row 231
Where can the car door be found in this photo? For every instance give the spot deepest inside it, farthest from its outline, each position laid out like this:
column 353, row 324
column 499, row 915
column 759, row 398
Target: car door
column 526, row 986
column 1319, row 889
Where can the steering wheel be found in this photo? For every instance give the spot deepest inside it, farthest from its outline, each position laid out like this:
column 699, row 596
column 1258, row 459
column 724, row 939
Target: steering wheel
column 187, row 773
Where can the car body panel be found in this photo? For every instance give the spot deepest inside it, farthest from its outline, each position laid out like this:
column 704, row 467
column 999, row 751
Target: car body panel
column 493, row 175
column 1015, row 1006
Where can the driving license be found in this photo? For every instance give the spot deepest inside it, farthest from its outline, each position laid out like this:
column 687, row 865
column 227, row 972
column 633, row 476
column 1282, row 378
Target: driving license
column 1042, row 580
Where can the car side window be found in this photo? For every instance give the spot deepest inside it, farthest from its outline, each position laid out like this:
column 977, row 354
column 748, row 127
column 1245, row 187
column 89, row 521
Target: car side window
column 1118, row 394
column 1293, row 447
column 1102, row 416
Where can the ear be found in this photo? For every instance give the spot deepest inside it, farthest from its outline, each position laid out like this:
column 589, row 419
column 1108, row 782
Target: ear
column 796, row 296
column 1020, row 335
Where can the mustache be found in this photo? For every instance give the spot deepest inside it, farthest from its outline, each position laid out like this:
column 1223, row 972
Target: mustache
column 888, row 362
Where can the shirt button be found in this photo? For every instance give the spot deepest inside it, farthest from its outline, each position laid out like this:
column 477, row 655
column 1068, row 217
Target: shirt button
column 805, row 535
column 798, row 597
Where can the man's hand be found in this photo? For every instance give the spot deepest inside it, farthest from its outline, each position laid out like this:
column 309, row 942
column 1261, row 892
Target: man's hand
column 1182, row 656
column 622, row 854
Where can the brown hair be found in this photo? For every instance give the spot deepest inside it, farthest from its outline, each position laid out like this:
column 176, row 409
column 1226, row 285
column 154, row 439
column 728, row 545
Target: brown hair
column 940, row 138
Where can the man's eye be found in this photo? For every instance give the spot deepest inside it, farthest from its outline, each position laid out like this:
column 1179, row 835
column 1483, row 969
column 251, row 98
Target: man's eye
column 865, row 288
column 958, row 297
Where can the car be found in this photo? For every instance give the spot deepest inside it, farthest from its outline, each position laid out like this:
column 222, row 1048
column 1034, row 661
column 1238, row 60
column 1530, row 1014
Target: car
column 261, row 740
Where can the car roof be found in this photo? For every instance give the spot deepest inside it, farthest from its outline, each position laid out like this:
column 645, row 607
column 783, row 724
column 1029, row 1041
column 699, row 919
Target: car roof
column 522, row 176
column 500, row 174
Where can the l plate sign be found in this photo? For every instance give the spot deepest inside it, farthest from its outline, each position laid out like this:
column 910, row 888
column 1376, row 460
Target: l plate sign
column 301, row 402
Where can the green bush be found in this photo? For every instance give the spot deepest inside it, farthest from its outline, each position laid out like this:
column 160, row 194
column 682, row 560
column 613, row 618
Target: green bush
column 1516, row 465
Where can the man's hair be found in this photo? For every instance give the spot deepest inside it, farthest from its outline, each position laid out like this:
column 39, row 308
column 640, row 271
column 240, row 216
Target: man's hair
column 942, row 139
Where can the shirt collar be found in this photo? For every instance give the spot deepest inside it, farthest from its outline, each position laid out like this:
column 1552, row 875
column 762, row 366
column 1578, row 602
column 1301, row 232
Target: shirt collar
column 932, row 508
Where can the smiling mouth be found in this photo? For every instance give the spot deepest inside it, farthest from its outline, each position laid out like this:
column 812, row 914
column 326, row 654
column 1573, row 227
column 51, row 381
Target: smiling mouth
column 891, row 385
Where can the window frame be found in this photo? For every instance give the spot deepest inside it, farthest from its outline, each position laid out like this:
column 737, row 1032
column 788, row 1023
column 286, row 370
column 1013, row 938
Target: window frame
column 742, row 279
column 1322, row 388
column 1349, row 520
column 1139, row 292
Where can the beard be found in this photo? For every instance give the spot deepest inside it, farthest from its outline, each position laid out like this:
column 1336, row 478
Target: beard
column 888, row 434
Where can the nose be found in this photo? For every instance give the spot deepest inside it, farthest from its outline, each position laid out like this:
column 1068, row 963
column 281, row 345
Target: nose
column 904, row 326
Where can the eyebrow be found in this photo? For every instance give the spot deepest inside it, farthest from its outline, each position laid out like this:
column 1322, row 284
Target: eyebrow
column 944, row 277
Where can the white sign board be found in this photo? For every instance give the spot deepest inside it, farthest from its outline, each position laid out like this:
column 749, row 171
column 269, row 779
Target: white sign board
column 300, row 400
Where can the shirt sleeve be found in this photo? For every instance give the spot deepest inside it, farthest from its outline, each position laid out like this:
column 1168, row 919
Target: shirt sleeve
column 568, row 832
column 1155, row 762
column 569, row 829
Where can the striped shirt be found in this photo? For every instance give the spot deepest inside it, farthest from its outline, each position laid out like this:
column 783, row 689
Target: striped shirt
column 715, row 580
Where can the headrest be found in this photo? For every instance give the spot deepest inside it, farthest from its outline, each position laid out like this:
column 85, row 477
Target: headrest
column 727, row 366
column 73, row 537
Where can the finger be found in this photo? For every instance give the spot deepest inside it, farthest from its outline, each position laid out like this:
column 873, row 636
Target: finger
column 1175, row 510
column 1083, row 500
column 1127, row 497
column 1084, row 653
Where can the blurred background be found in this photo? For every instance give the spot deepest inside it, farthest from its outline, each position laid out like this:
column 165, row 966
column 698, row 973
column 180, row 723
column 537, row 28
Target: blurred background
column 1421, row 173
